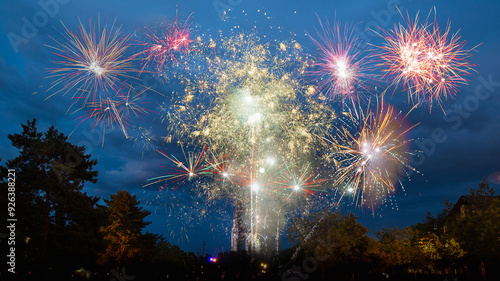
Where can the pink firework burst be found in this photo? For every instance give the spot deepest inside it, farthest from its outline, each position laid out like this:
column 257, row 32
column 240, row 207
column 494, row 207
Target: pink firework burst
column 163, row 47
column 339, row 69
column 428, row 63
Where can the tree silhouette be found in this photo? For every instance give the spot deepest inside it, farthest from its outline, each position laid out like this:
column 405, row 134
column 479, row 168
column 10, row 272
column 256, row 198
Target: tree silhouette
column 58, row 224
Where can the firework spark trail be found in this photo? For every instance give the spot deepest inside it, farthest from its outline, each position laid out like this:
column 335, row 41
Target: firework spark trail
column 118, row 118
column 428, row 63
column 369, row 159
column 341, row 71
column 90, row 62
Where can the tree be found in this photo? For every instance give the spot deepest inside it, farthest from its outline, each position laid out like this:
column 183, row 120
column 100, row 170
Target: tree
column 442, row 252
column 123, row 231
column 336, row 240
column 400, row 249
column 169, row 259
column 479, row 228
column 55, row 218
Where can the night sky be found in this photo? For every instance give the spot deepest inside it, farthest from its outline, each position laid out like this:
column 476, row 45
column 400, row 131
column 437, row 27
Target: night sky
column 465, row 149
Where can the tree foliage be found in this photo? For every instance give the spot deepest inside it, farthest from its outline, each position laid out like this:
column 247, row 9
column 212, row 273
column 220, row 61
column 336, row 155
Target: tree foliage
column 479, row 228
column 335, row 239
column 123, row 231
column 400, row 248
column 58, row 224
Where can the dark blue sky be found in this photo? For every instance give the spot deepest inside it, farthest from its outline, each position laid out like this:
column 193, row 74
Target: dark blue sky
column 466, row 151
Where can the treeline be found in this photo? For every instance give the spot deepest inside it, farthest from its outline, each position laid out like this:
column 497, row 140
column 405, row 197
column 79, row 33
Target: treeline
column 461, row 242
column 62, row 232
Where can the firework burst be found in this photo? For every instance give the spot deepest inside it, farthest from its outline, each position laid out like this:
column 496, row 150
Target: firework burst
column 144, row 139
column 164, row 47
column 252, row 110
column 193, row 168
column 428, row 63
column 341, row 71
column 369, row 161
column 91, row 62
column 132, row 105
column 301, row 180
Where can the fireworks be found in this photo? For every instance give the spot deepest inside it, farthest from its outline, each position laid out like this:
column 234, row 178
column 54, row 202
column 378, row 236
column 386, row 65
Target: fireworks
column 369, row 160
column 145, row 140
column 254, row 103
column 131, row 104
column 251, row 110
column 340, row 69
column 261, row 123
column 104, row 113
column 191, row 169
column 301, row 181
column 91, row 62
column 163, row 48
column 428, row 63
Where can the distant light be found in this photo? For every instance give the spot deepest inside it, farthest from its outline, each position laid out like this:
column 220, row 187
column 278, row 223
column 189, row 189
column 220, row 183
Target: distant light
column 296, row 187
column 191, row 174
column 350, row 190
column 255, row 187
column 262, row 170
column 225, row 174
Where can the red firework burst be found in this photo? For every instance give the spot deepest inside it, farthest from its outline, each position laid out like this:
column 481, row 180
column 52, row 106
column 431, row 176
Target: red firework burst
column 162, row 48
